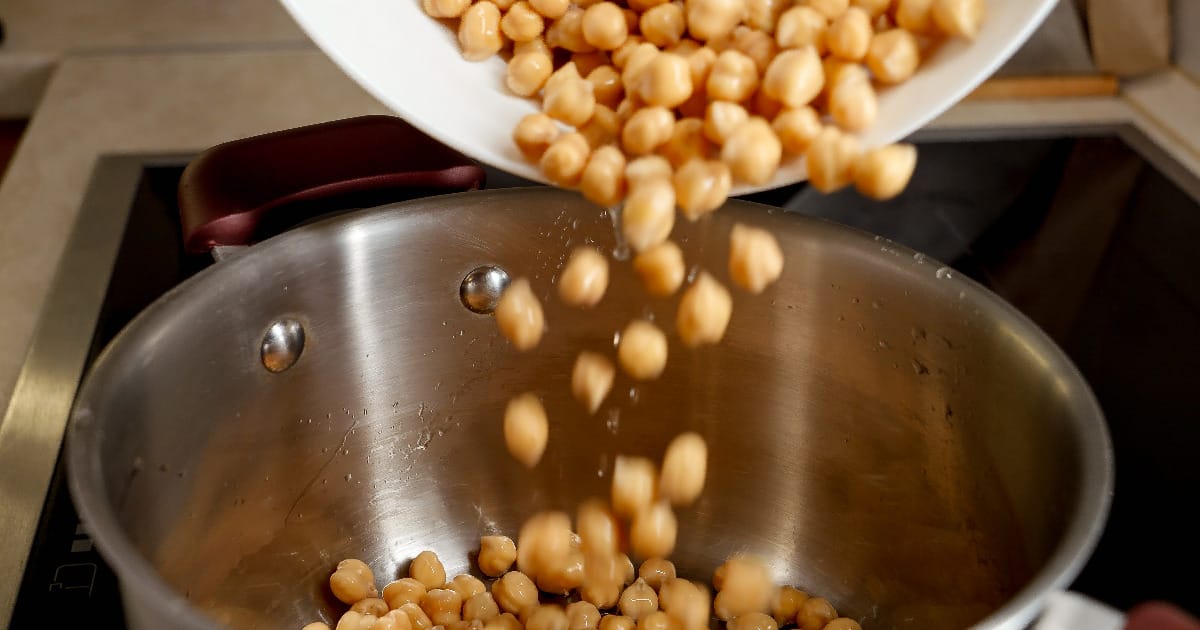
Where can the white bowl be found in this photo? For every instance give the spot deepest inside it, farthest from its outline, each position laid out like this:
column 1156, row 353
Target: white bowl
column 412, row 64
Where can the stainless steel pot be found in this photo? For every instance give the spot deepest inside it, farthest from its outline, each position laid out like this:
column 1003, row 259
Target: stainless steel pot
column 891, row 435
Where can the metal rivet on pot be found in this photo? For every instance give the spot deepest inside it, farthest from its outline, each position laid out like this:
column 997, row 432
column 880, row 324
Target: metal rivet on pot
column 481, row 289
column 282, row 344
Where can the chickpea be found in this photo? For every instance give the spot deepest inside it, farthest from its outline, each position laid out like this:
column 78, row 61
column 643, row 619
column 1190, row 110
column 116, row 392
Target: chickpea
column 627, row 572
column 567, row 32
column 393, row 620
column 893, row 56
column 442, row 605
column 796, row 129
column 687, row 143
column 843, row 623
column 647, row 129
column 514, row 592
column 701, row 62
column 959, row 18
column 525, row 432
column 831, row 9
column 617, row 622
column 746, row 588
column 506, row 621
column 352, row 581
column 600, row 594
column 534, row 134
column 427, row 569
column 638, row 600
column 802, row 26
column 582, row 616
column 915, row 16
column 467, row 586
column 701, row 186
column 755, row 258
column 649, row 213
column 606, row 86
column 496, row 555
column 853, row 104
column 544, row 543
column 563, row 164
column 663, row 25
column 666, row 81
column 884, row 172
column 620, row 56
column 656, row 620
column 712, row 19
column 831, row 159
column 654, row 530
column 815, row 613
column 642, row 353
column 445, row 8
column 537, row 44
column 634, row 482
column 752, row 152
column 753, row 621
column 647, row 168
column 734, row 77
column 370, row 606
column 657, row 571
column 462, row 625
column 519, row 315
column 722, row 118
column 563, row 579
column 684, row 466
column 849, row 36
column 568, row 97
column 481, row 607
column 416, row 617
column 795, row 77
column 786, row 604
column 604, row 26
column 661, row 268
column 354, row 620
column 636, row 63
column 592, row 379
column 603, row 181
column 548, row 617
column 684, row 47
column 756, row 45
column 704, row 312
column 603, row 128
column 527, row 73
column 403, row 591
column 479, row 31
column 521, row 23
column 686, row 603
column 584, row 278
column 317, row 625
column 551, row 9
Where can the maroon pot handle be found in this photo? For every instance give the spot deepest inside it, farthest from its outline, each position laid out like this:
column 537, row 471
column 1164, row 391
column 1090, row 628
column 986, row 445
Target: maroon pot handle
column 246, row 190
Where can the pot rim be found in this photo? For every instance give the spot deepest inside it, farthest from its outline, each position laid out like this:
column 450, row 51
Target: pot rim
column 134, row 571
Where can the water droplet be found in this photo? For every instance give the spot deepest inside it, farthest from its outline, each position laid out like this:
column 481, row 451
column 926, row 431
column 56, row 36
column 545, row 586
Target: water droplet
column 349, row 476
column 324, row 449
column 613, row 423
column 943, row 273
column 919, row 257
column 876, row 304
column 616, row 339
column 919, row 368
column 692, row 273
column 634, row 395
column 854, row 300
column 345, row 451
column 883, row 345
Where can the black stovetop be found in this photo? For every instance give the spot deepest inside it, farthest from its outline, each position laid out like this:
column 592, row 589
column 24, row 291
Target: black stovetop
column 1082, row 234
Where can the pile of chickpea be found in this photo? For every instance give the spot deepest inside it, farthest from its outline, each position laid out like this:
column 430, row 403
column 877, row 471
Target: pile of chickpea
column 719, row 91
column 565, row 580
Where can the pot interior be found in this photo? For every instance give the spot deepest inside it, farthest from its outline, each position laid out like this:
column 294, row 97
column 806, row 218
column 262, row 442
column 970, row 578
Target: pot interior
column 890, row 436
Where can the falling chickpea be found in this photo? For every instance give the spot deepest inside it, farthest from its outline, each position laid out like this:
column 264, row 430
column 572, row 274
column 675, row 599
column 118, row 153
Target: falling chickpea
column 704, row 312
column 526, row 430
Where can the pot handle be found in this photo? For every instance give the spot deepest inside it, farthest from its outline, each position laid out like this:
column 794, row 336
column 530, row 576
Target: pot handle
column 246, row 190
column 1072, row 611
